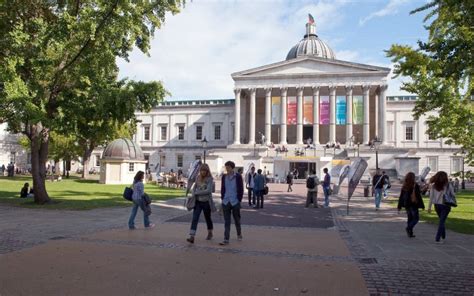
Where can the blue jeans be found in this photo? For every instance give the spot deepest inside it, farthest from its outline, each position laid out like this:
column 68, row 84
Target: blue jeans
column 378, row 196
column 204, row 207
column 258, row 194
column 140, row 204
column 413, row 217
column 326, row 196
column 442, row 211
column 229, row 210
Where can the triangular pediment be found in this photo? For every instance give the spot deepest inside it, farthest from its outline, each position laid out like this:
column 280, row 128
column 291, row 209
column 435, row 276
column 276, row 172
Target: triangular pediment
column 309, row 66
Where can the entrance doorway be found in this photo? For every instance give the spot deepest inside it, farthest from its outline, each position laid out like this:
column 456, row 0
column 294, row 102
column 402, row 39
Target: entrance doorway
column 304, row 168
column 307, row 133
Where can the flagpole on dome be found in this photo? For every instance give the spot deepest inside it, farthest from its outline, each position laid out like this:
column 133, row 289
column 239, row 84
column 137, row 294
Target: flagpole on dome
column 310, row 27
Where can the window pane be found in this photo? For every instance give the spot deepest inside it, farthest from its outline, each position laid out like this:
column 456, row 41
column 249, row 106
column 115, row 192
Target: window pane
column 163, row 133
column 409, row 133
column 198, row 132
column 180, row 132
column 146, row 133
column 131, row 167
column 179, row 162
column 217, row 132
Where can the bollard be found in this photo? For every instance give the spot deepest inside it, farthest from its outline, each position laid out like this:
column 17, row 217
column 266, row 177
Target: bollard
column 366, row 191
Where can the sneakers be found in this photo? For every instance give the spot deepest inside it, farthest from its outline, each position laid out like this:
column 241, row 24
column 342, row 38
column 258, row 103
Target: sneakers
column 224, row 243
column 439, row 242
column 150, row 226
column 190, row 240
column 239, row 237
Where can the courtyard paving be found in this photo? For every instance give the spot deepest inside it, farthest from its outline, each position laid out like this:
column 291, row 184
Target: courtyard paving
column 287, row 250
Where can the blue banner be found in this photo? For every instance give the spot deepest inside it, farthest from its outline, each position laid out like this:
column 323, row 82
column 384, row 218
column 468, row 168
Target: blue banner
column 341, row 110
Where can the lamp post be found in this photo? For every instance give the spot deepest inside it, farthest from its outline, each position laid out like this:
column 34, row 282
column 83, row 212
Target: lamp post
column 204, row 146
column 463, row 184
column 160, row 152
column 358, row 151
column 375, row 145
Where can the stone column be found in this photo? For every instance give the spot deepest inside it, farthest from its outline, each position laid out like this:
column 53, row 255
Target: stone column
column 332, row 114
column 366, row 129
column 316, row 115
column 268, row 115
column 237, row 117
column 284, row 92
column 348, row 114
column 299, row 116
column 383, row 114
column 252, row 114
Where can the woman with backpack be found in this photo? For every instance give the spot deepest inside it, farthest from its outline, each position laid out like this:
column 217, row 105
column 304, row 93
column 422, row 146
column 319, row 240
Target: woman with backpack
column 439, row 187
column 410, row 199
column 312, row 185
column 140, row 200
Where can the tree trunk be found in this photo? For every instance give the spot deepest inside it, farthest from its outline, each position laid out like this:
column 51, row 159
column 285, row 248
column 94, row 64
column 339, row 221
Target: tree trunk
column 39, row 156
column 85, row 162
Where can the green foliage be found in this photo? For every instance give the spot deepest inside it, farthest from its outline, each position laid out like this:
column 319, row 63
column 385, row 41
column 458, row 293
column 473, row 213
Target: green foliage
column 441, row 72
column 56, row 57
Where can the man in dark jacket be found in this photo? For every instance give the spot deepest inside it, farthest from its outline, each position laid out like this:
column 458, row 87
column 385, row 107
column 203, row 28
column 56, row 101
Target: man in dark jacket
column 378, row 182
column 232, row 191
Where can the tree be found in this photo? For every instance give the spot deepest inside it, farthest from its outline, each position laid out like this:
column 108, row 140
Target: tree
column 441, row 71
column 51, row 48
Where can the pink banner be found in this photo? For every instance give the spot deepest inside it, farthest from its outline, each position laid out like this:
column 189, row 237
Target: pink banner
column 324, row 110
column 308, row 110
column 291, row 115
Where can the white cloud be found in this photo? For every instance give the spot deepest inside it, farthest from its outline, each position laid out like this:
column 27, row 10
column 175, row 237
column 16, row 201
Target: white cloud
column 195, row 51
column 390, row 9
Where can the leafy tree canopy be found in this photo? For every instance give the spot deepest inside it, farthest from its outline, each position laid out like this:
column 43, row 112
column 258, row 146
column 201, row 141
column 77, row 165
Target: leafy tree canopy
column 441, row 71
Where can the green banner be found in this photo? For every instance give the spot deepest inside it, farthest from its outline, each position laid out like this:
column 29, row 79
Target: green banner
column 357, row 110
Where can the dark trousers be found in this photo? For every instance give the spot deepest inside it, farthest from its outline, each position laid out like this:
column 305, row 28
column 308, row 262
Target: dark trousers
column 443, row 212
column 251, row 198
column 259, row 194
column 413, row 217
column 229, row 210
column 312, row 198
column 204, row 207
column 289, row 188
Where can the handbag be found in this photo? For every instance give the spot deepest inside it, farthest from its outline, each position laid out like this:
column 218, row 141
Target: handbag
column 448, row 198
column 128, row 193
column 190, row 202
column 265, row 190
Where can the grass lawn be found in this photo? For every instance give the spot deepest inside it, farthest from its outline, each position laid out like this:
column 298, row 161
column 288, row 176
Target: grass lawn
column 77, row 194
column 460, row 219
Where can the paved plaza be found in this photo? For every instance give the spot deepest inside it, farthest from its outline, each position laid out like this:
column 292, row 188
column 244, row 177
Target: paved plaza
column 286, row 250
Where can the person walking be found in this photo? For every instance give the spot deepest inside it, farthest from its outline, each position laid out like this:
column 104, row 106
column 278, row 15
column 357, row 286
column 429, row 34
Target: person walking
column 202, row 193
column 312, row 185
column 232, row 191
column 326, row 187
column 440, row 186
column 289, row 181
column 249, row 183
column 139, row 199
column 410, row 199
column 378, row 183
column 259, row 186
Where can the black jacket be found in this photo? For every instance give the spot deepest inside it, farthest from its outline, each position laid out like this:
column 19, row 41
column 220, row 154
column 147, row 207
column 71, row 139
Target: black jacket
column 404, row 201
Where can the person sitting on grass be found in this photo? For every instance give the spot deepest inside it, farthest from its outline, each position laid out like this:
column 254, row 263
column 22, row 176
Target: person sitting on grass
column 25, row 191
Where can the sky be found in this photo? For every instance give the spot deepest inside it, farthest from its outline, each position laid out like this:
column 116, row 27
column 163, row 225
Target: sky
column 195, row 52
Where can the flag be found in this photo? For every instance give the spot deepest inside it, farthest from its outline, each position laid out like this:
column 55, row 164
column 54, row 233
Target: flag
column 311, row 19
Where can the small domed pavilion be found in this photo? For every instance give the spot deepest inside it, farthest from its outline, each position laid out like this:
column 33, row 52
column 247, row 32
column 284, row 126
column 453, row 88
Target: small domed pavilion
column 121, row 160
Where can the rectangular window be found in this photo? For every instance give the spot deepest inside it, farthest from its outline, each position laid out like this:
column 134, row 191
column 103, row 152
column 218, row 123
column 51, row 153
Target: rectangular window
column 13, row 157
column 198, row 132
column 131, row 167
column 179, row 160
column 97, row 160
column 217, row 132
column 28, row 158
column 147, row 158
column 457, row 165
column 146, row 133
column 197, row 157
column 164, row 133
column 432, row 136
column 390, row 131
column 432, row 162
column 409, row 130
column 181, row 132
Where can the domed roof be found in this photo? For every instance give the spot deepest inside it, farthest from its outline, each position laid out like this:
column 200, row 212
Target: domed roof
column 123, row 149
column 311, row 45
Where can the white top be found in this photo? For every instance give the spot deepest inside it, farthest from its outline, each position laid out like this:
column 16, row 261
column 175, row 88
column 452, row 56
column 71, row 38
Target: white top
column 436, row 197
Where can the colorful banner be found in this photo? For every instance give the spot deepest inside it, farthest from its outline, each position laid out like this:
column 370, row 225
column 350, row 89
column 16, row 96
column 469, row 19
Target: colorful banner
column 276, row 109
column 357, row 110
column 308, row 110
column 324, row 110
column 291, row 113
column 341, row 110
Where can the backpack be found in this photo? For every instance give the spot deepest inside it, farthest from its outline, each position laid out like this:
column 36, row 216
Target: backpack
column 310, row 183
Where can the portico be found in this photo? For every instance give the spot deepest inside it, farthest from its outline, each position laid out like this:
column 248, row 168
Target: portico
column 310, row 95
